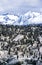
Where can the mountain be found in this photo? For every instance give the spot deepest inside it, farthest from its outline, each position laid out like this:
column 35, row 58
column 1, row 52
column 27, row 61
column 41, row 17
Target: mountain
column 25, row 19
column 8, row 19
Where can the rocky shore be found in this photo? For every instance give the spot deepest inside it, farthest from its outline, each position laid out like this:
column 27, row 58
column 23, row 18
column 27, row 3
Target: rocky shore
column 20, row 44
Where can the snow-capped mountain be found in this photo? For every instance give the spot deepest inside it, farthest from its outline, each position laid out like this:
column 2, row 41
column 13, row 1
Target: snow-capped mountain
column 31, row 18
column 8, row 19
column 26, row 19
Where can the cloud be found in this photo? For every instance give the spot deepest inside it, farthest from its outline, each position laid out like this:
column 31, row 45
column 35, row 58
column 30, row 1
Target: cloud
column 19, row 4
column 1, row 9
column 33, row 2
column 7, row 4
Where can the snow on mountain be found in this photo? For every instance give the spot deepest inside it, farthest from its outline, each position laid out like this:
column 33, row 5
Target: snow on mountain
column 36, row 20
column 1, row 19
column 12, row 17
column 32, row 14
column 31, row 18
column 8, row 19
column 26, row 19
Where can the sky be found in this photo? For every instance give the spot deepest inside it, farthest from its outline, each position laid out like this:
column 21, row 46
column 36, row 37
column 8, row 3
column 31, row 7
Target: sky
column 21, row 5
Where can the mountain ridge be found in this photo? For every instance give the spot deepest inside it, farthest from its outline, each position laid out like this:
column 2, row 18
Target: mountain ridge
column 25, row 19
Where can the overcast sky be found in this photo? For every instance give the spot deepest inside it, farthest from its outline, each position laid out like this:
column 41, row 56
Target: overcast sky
column 22, row 5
